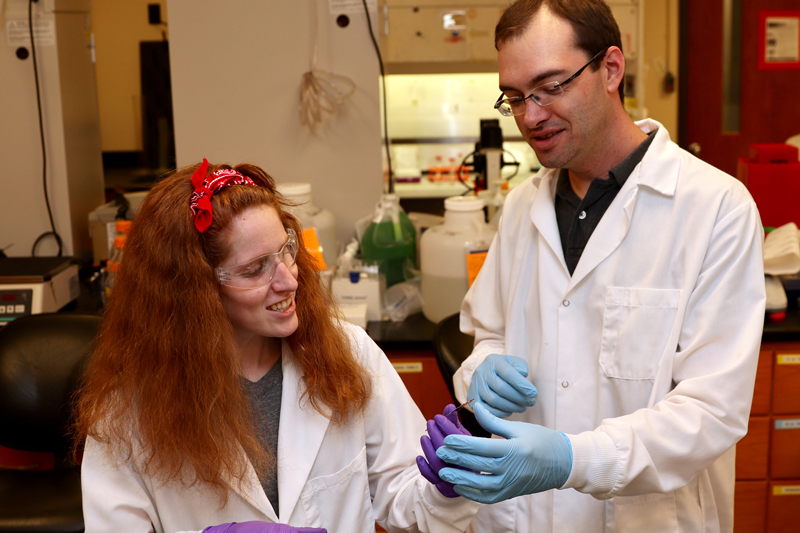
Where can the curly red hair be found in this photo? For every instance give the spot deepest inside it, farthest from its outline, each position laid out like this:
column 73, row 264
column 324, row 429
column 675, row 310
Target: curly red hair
column 163, row 386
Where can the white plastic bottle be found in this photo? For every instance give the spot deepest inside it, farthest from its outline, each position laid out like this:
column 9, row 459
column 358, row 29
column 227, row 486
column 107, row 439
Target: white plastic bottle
column 443, row 255
column 311, row 216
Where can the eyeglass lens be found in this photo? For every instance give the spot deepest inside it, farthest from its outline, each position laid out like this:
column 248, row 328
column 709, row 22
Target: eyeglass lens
column 543, row 95
column 261, row 270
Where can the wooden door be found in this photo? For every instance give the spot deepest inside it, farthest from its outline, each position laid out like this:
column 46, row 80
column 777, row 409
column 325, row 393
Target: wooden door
column 770, row 99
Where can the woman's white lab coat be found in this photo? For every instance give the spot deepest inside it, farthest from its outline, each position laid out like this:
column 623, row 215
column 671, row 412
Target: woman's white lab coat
column 340, row 478
column 645, row 356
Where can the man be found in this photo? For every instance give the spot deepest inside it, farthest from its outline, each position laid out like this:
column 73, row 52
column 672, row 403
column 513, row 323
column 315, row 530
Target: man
column 626, row 286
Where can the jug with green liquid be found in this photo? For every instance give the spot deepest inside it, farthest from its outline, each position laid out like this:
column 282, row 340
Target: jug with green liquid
column 390, row 240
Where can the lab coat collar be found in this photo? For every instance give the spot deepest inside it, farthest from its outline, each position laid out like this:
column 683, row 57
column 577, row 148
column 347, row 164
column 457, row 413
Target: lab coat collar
column 543, row 212
column 300, row 436
column 252, row 491
column 660, row 166
column 302, row 430
column 658, row 171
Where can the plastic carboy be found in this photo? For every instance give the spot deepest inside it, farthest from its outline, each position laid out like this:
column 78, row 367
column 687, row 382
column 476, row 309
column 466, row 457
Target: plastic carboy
column 443, row 255
column 311, row 216
column 390, row 240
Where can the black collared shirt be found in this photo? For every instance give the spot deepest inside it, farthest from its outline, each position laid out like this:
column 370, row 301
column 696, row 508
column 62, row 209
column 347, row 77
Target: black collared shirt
column 578, row 218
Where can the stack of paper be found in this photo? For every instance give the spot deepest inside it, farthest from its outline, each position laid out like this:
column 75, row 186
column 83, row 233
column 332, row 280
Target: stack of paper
column 782, row 250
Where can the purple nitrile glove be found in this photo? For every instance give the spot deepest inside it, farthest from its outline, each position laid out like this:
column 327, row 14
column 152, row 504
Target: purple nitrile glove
column 439, row 428
column 261, row 527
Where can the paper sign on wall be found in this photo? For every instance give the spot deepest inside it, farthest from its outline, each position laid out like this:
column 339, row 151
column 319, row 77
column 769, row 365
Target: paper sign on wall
column 782, row 44
column 18, row 34
column 779, row 39
column 352, row 6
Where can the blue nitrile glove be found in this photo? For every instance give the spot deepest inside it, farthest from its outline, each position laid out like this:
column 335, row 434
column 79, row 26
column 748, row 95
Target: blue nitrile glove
column 529, row 459
column 260, row 527
column 439, row 428
column 500, row 383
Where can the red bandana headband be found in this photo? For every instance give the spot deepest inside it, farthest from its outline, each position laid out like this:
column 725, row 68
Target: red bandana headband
column 206, row 187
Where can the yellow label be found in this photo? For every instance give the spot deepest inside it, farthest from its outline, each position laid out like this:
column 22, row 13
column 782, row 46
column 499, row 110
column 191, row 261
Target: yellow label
column 789, row 359
column 408, row 368
column 786, row 490
column 475, row 261
column 311, row 243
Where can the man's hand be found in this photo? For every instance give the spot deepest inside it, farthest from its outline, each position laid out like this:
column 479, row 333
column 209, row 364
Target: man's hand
column 529, row 459
column 500, row 384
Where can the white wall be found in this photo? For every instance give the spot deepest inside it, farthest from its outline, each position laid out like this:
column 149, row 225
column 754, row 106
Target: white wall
column 69, row 102
column 236, row 72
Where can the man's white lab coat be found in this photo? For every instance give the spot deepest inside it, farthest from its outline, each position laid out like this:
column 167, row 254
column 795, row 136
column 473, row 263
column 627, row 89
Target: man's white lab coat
column 645, row 356
column 340, row 478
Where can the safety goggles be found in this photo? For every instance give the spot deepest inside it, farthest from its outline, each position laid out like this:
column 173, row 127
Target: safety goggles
column 258, row 272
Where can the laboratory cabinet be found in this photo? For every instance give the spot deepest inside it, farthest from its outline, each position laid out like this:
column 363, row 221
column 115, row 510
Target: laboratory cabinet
column 767, row 495
column 437, row 36
column 421, row 376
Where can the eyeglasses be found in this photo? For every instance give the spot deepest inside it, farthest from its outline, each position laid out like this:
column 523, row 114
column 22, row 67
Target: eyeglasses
column 258, row 272
column 543, row 95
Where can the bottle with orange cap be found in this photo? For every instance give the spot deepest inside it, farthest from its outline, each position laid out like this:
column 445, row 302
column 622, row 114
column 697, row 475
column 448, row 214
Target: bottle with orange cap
column 122, row 227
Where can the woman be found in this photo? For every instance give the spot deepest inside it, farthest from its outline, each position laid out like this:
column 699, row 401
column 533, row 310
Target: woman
column 224, row 389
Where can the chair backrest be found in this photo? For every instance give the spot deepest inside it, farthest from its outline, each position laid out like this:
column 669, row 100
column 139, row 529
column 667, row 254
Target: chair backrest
column 42, row 358
column 451, row 347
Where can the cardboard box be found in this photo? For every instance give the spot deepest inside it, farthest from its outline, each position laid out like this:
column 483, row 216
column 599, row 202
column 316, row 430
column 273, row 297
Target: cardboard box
column 355, row 314
column 102, row 220
column 360, row 289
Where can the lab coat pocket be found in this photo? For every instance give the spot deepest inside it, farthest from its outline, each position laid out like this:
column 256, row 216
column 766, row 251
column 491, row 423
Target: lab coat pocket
column 653, row 513
column 636, row 327
column 341, row 501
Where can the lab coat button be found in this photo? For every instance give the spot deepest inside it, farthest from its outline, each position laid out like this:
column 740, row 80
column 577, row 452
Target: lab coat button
column 565, row 384
column 582, row 215
column 565, row 303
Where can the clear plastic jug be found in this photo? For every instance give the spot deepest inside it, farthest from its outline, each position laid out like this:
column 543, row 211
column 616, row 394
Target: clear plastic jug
column 444, row 250
column 390, row 240
column 311, row 216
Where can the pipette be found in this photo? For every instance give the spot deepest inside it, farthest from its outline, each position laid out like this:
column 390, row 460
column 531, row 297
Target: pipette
column 463, row 405
column 457, row 409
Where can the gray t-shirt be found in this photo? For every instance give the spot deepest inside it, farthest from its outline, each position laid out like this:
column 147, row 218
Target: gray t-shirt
column 265, row 397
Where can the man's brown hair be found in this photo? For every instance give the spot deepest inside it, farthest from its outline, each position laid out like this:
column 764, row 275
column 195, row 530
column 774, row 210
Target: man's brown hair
column 594, row 25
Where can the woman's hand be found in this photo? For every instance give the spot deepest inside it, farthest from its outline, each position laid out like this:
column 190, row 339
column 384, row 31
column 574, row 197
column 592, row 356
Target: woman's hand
column 440, row 427
column 261, row 527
